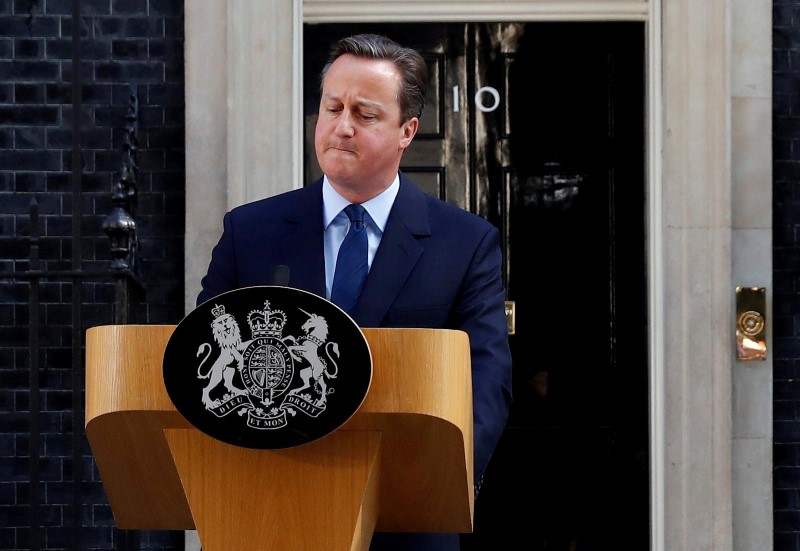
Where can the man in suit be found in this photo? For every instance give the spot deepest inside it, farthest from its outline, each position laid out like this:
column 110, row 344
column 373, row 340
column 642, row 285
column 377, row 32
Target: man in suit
column 430, row 263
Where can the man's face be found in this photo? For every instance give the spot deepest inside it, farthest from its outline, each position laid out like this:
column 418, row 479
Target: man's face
column 359, row 139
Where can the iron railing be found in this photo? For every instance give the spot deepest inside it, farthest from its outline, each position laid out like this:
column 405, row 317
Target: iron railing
column 120, row 227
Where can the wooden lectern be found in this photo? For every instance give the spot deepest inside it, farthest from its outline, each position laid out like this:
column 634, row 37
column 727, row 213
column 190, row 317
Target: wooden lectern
column 401, row 463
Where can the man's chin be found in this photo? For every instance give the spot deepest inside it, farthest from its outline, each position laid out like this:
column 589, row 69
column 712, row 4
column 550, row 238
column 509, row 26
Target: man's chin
column 339, row 172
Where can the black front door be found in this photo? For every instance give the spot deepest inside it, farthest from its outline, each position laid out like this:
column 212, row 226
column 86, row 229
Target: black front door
column 539, row 128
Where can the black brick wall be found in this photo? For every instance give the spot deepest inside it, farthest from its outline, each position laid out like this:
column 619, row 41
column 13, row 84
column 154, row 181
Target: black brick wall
column 786, row 272
column 123, row 42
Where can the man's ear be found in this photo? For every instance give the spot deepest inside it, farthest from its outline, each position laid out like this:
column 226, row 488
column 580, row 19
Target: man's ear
column 409, row 130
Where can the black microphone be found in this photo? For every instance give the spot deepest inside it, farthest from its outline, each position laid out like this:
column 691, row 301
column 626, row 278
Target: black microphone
column 280, row 275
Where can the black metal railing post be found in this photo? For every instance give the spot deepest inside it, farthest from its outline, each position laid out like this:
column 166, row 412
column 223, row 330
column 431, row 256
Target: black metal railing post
column 77, row 287
column 33, row 374
column 120, row 225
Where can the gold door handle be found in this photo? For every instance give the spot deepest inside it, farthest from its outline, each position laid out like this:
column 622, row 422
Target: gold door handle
column 511, row 316
column 751, row 325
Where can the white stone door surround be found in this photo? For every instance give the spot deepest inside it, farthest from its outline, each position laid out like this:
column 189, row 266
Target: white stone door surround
column 709, row 181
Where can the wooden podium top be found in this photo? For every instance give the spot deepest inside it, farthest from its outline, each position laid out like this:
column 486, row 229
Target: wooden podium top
column 420, row 403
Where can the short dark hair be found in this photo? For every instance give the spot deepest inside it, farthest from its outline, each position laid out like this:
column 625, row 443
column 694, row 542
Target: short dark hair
column 413, row 70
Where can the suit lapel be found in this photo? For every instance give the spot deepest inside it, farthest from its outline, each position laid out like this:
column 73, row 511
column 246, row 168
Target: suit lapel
column 303, row 240
column 397, row 254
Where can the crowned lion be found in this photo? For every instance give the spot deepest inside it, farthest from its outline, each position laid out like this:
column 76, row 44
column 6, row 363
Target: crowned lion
column 228, row 336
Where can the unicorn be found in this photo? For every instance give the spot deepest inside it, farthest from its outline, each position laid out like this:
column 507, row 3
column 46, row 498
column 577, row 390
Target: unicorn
column 316, row 333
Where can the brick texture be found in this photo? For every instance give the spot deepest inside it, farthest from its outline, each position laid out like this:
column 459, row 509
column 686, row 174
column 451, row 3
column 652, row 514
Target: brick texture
column 786, row 273
column 123, row 43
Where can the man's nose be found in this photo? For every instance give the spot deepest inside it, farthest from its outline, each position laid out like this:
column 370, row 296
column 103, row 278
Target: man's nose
column 344, row 126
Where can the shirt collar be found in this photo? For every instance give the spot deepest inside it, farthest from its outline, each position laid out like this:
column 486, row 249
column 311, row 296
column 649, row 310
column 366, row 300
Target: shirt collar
column 378, row 207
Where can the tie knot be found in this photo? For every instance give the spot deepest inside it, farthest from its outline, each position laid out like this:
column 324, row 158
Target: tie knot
column 356, row 215
column 354, row 212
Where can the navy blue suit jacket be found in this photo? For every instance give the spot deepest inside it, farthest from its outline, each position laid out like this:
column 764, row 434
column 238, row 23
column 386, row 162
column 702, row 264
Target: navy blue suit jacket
column 437, row 266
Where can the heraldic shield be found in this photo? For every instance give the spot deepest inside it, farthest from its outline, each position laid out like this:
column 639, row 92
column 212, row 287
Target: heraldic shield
column 267, row 367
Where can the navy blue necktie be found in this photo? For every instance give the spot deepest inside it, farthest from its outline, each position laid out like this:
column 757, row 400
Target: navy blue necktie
column 351, row 264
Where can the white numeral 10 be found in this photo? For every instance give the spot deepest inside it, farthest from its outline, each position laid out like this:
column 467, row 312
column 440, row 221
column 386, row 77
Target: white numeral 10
column 478, row 99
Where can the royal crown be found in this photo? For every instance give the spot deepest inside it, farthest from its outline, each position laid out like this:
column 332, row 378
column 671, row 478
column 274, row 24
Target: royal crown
column 218, row 310
column 266, row 322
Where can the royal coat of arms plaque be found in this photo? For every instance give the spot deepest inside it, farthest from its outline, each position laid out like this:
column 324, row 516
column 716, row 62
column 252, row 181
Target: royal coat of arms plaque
column 267, row 367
